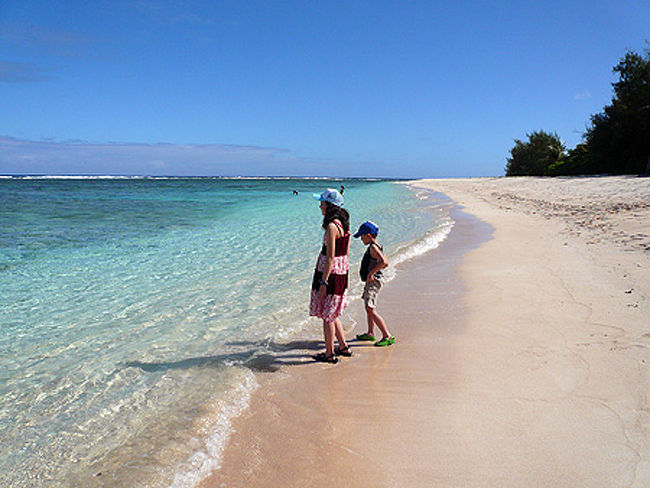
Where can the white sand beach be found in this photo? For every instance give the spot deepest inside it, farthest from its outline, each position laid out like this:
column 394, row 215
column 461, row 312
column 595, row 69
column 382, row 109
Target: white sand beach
column 521, row 357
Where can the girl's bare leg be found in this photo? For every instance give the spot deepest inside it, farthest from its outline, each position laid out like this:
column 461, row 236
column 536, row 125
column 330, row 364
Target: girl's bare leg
column 340, row 337
column 328, row 332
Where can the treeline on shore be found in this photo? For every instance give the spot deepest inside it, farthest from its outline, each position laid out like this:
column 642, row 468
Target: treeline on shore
column 617, row 140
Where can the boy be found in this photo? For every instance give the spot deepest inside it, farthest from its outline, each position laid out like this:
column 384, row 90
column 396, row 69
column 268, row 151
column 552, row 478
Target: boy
column 374, row 260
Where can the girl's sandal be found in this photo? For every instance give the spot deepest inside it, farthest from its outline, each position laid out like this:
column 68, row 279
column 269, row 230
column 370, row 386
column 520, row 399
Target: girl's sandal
column 322, row 357
column 343, row 351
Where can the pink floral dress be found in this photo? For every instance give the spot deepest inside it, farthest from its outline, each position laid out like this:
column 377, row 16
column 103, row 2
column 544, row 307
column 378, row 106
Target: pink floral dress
column 331, row 306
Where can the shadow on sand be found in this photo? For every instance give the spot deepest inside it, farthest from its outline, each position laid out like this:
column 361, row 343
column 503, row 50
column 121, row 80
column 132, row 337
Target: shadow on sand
column 263, row 356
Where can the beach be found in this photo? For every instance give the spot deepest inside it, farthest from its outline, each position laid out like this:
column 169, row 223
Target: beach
column 521, row 356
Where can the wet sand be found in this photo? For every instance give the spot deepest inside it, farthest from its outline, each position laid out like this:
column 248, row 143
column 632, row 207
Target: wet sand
column 521, row 357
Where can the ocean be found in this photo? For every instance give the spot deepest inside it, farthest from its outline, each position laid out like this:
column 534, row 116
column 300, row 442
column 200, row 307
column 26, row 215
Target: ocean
column 137, row 313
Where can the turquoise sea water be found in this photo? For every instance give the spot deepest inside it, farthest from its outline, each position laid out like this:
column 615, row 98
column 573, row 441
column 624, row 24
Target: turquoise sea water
column 134, row 313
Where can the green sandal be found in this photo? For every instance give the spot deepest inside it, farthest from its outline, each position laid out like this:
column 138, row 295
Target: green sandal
column 366, row 337
column 388, row 341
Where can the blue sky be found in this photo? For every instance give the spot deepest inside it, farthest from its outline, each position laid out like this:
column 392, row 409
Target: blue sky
column 392, row 89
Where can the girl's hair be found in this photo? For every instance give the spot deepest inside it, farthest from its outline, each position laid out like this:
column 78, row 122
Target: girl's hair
column 332, row 212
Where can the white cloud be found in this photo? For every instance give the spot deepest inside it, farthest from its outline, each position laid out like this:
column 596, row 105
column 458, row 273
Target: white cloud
column 13, row 72
column 582, row 95
column 19, row 156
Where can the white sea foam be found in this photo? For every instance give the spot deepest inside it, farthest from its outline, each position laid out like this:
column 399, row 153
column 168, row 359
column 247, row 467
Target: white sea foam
column 77, row 177
column 167, row 177
column 109, row 177
column 429, row 241
column 215, row 434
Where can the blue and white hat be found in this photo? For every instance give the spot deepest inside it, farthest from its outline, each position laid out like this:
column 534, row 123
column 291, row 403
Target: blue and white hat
column 367, row 227
column 330, row 195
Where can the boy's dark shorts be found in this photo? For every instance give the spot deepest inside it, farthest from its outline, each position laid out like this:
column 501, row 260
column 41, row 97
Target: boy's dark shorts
column 370, row 292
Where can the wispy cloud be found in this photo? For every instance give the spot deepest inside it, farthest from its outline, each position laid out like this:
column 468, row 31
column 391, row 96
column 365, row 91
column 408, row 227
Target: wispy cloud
column 18, row 156
column 30, row 37
column 582, row 95
column 13, row 72
column 174, row 12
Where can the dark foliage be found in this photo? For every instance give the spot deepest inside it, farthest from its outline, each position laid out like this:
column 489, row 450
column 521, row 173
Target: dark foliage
column 575, row 163
column 616, row 142
column 533, row 158
column 619, row 137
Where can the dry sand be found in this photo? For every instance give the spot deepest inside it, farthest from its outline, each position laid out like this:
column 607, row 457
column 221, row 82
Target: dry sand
column 521, row 361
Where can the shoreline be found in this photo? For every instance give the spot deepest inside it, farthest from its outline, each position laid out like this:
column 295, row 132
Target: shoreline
column 309, row 412
column 529, row 370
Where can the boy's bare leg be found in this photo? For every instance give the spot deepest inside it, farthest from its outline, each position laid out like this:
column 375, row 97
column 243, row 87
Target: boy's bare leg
column 377, row 320
column 371, row 322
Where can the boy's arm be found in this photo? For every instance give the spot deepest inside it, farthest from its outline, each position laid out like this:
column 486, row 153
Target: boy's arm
column 382, row 260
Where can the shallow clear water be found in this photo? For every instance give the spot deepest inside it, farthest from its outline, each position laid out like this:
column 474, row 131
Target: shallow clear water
column 133, row 312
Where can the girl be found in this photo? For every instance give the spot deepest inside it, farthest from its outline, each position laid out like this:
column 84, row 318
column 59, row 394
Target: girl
column 329, row 287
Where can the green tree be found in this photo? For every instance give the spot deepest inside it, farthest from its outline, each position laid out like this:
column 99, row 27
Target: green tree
column 575, row 163
column 618, row 139
column 535, row 156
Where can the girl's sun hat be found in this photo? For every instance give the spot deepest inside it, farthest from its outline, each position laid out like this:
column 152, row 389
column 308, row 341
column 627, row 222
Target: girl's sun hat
column 330, row 195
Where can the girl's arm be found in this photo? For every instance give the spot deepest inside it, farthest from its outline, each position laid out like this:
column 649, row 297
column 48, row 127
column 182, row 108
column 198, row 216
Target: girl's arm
column 330, row 240
column 382, row 260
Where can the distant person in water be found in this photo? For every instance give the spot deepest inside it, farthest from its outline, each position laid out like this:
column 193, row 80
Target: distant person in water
column 372, row 264
column 295, row 192
column 329, row 287
column 342, row 190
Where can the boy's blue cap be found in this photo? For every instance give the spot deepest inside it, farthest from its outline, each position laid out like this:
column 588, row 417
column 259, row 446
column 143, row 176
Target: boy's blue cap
column 330, row 195
column 367, row 227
